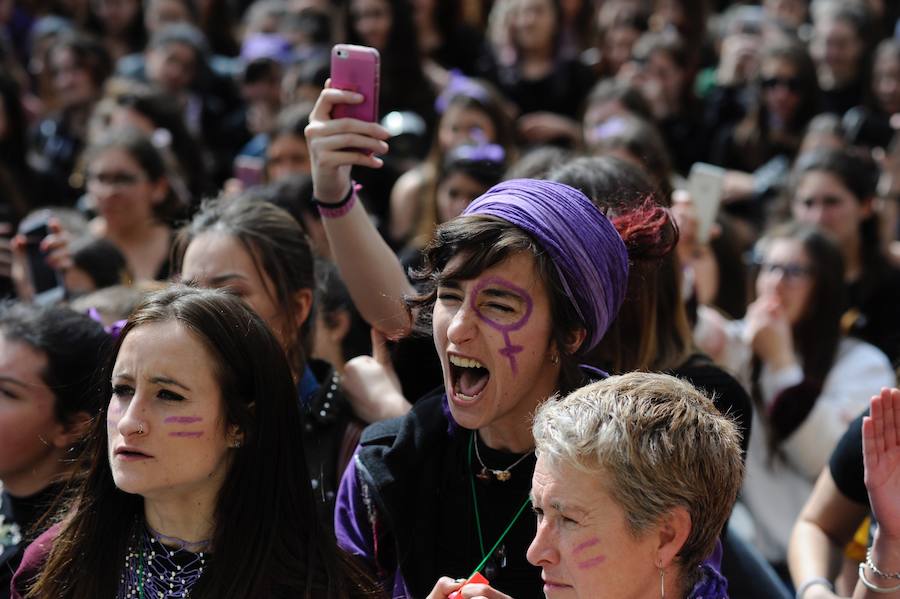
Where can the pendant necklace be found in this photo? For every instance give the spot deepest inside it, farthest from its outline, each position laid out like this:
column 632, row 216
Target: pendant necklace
column 487, row 555
column 501, row 475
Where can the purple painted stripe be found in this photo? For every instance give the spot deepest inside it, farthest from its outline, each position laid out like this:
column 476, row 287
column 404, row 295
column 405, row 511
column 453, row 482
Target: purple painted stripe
column 182, row 419
column 594, row 561
column 187, row 434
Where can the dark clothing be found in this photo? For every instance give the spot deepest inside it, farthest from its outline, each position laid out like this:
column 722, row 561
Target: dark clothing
column 846, row 464
column 873, row 307
column 726, row 392
column 17, row 517
column 57, row 149
column 417, row 478
column 561, row 91
column 330, row 431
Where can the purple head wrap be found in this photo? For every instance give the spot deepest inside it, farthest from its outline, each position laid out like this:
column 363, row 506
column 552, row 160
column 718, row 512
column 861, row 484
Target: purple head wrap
column 588, row 252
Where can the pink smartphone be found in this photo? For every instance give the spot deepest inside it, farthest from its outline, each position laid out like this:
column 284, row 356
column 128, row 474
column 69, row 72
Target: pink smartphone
column 356, row 68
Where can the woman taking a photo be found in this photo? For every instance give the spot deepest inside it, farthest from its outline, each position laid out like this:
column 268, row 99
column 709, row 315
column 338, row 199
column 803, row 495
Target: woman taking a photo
column 195, row 481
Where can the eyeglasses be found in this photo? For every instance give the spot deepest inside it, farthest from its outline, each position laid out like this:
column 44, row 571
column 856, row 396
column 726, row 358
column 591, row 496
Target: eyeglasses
column 114, row 179
column 826, row 201
column 791, row 272
column 791, row 83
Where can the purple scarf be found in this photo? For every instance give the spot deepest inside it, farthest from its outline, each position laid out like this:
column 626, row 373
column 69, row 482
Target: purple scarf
column 586, row 249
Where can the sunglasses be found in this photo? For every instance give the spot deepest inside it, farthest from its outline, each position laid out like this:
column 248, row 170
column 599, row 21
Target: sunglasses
column 792, row 83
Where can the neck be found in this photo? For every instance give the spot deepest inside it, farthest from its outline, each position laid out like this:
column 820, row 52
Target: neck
column 37, row 478
column 513, row 439
column 189, row 519
column 852, row 260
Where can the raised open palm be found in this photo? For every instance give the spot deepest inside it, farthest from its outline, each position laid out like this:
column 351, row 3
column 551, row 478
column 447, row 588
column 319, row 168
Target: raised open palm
column 881, row 455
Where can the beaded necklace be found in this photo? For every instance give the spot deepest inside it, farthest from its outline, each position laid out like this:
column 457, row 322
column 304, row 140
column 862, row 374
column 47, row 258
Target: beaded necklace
column 154, row 571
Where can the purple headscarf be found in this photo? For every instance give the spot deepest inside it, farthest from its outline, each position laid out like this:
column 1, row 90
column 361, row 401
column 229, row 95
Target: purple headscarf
column 586, row 249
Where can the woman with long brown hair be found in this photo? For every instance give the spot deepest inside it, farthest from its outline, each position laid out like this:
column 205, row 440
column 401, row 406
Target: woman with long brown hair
column 195, row 482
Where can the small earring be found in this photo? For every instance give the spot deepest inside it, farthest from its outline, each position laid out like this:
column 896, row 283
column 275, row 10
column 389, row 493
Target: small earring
column 236, row 445
column 554, row 358
column 662, row 583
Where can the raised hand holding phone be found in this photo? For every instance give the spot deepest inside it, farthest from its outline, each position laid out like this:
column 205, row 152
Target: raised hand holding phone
column 356, row 69
column 330, row 135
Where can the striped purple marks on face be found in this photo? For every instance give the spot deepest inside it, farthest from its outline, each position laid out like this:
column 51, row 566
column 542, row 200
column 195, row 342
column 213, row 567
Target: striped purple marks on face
column 184, row 420
column 590, row 562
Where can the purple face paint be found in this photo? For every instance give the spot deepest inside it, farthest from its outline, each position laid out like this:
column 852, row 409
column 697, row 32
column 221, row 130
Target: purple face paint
column 182, row 419
column 194, row 434
column 510, row 350
column 587, row 544
column 591, row 563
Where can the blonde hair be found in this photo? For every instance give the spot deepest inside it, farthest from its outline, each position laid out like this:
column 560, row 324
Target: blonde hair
column 656, row 443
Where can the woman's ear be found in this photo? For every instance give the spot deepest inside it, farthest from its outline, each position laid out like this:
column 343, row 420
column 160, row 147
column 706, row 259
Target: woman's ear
column 672, row 532
column 303, row 301
column 574, row 340
column 160, row 191
column 72, row 431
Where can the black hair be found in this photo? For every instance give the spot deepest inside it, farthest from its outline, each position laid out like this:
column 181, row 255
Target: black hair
column 101, row 260
column 333, row 297
column 75, row 347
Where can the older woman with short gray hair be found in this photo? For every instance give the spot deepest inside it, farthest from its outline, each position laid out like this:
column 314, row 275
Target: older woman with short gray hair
column 635, row 478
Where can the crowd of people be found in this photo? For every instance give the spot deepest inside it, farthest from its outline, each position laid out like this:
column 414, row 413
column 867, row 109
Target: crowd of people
column 504, row 341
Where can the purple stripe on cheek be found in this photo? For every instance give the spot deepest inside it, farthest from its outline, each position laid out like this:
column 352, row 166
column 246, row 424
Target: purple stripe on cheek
column 183, row 419
column 590, row 563
column 187, row 434
column 586, row 544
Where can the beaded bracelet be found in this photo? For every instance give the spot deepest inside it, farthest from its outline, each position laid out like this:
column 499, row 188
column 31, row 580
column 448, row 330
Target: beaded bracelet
column 876, row 571
column 872, row 586
column 338, row 209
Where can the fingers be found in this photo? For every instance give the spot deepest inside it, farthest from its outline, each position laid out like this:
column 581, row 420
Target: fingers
column 357, row 141
column 891, row 406
column 444, row 587
column 379, row 348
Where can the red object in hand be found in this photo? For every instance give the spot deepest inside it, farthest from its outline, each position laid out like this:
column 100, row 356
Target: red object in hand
column 476, row 578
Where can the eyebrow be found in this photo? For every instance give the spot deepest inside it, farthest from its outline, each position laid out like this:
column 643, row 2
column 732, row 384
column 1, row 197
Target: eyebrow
column 224, row 278
column 9, row 379
column 158, row 380
column 567, row 509
column 502, row 294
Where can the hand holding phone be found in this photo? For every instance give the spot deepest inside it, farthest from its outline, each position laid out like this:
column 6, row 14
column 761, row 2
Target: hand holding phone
column 357, row 69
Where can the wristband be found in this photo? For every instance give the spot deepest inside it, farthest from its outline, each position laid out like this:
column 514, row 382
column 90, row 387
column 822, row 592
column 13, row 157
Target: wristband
column 811, row 582
column 338, row 209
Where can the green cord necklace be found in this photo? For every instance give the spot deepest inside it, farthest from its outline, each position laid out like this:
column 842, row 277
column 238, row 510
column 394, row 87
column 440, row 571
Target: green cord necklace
column 486, row 556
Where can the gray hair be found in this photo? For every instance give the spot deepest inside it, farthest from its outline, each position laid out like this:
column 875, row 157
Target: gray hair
column 655, row 443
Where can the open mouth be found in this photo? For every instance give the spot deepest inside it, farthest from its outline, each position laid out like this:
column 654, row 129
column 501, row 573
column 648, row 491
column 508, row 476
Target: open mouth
column 468, row 376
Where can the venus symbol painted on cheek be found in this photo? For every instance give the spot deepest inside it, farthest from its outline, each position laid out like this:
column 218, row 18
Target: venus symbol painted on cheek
column 184, row 420
column 510, row 350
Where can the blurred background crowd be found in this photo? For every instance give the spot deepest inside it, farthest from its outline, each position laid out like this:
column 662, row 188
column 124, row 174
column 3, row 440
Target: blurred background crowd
column 118, row 118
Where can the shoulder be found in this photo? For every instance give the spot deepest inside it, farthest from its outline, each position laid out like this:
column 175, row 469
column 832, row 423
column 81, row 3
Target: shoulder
column 390, row 450
column 33, row 560
column 855, row 353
